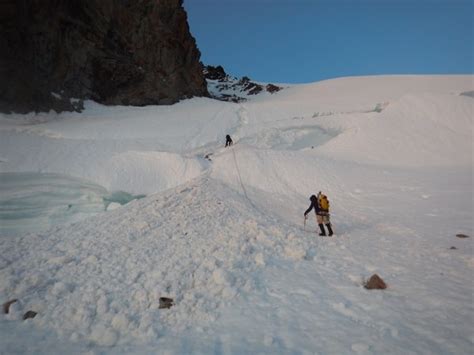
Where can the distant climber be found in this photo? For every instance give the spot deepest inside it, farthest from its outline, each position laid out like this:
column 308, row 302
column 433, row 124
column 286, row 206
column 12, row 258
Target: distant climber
column 228, row 141
column 321, row 208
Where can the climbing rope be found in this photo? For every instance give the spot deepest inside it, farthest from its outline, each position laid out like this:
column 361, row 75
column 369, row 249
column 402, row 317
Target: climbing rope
column 271, row 218
column 240, row 177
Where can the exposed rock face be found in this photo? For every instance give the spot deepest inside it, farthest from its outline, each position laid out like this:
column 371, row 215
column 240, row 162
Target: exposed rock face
column 128, row 52
column 215, row 73
column 272, row 88
column 249, row 86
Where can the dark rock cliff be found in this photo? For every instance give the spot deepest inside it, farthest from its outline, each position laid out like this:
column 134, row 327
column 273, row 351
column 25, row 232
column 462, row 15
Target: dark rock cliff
column 116, row 52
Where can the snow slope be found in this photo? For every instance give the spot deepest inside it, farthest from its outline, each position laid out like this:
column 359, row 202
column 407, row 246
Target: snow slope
column 224, row 235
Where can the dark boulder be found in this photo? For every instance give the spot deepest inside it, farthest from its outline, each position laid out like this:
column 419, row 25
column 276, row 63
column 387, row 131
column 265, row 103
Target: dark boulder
column 29, row 314
column 129, row 52
column 165, row 302
column 375, row 283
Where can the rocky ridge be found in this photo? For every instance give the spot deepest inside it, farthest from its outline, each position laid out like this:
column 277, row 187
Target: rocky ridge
column 225, row 87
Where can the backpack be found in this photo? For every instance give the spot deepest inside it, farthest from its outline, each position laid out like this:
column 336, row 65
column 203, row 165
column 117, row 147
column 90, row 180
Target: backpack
column 323, row 202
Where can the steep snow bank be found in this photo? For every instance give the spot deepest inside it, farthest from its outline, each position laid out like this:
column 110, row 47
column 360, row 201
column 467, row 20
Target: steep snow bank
column 148, row 172
column 113, row 164
column 171, row 127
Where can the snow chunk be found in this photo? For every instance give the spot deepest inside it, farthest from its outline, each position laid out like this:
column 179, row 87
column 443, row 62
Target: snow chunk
column 221, row 277
column 295, row 252
column 120, row 322
column 113, row 206
column 104, row 336
column 260, row 259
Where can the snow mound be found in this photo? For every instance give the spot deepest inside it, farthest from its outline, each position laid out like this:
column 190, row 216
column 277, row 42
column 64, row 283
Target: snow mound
column 101, row 279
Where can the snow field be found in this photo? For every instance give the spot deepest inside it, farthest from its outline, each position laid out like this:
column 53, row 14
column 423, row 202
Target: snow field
column 114, row 146
column 233, row 267
column 225, row 237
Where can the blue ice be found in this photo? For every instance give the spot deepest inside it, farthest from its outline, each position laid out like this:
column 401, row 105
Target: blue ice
column 34, row 202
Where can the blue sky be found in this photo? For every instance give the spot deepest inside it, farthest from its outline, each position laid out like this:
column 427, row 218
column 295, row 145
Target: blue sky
column 297, row 41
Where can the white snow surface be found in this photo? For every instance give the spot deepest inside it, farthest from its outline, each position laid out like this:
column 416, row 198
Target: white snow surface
column 221, row 230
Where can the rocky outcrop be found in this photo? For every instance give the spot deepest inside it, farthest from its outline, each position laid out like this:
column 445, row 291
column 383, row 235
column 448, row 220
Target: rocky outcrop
column 272, row 88
column 227, row 88
column 249, row 86
column 128, row 52
column 215, row 73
